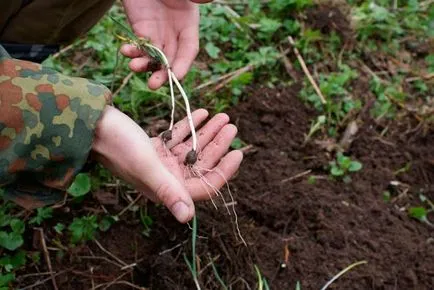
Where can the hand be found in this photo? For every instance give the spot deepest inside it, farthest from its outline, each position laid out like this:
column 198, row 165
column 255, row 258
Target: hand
column 171, row 25
column 157, row 169
column 214, row 164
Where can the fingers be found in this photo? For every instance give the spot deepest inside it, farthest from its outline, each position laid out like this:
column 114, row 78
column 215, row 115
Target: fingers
column 139, row 62
column 210, row 130
column 160, row 77
column 181, row 50
column 200, row 188
column 181, row 130
column 217, row 148
column 130, row 51
column 188, row 48
column 157, row 79
column 204, row 135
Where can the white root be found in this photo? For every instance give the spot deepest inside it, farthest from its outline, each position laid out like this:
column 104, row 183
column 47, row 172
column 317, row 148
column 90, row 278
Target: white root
column 172, row 97
column 190, row 170
column 196, row 171
column 203, row 180
column 217, row 192
column 187, row 108
column 233, row 206
column 172, row 78
column 163, row 56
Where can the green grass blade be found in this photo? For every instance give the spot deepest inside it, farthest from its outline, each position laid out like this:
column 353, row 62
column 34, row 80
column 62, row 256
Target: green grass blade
column 192, row 265
column 260, row 281
column 188, row 264
column 298, row 286
column 266, row 286
column 218, row 277
column 115, row 70
column 193, row 246
column 125, row 29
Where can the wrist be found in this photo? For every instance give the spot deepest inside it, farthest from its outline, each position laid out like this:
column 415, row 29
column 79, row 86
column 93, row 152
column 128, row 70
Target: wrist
column 101, row 130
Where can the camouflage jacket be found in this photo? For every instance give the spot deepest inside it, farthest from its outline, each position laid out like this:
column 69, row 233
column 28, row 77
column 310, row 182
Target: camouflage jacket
column 47, row 121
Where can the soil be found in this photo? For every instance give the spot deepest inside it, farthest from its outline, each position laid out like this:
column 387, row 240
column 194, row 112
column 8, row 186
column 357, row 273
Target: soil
column 332, row 15
column 295, row 230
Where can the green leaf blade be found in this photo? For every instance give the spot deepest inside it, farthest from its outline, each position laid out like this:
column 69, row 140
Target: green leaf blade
column 11, row 241
column 355, row 166
column 81, row 185
column 419, row 213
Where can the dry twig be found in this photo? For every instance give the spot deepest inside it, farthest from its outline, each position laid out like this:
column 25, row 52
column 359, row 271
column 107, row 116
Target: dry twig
column 111, row 283
column 67, row 48
column 227, row 78
column 173, row 248
column 426, row 4
column 236, row 74
column 297, row 176
column 306, row 70
column 288, row 66
column 124, row 83
column 101, row 258
column 41, row 282
column 125, row 265
column 47, row 257
column 127, row 284
column 130, row 205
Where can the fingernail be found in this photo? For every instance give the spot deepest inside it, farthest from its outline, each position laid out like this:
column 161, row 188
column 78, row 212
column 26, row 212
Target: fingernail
column 181, row 211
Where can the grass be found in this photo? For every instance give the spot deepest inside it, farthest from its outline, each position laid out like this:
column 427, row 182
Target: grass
column 245, row 43
column 262, row 282
column 343, row 166
column 192, row 265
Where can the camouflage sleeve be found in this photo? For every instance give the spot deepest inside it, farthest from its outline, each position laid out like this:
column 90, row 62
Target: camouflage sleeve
column 47, row 122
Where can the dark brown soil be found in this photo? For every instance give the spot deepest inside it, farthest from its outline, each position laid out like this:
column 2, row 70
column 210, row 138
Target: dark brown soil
column 330, row 225
column 316, row 230
column 332, row 15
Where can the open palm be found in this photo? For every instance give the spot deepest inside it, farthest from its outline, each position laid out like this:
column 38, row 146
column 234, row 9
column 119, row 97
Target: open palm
column 214, row 163
column 157, row 169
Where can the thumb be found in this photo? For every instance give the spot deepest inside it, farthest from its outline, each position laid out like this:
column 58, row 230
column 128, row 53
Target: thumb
column 138, row 162
column 170, row 192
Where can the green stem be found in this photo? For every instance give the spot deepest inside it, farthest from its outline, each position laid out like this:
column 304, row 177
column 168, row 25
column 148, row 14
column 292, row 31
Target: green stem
column 193, row 246
column 115, row 71
column 217, row 275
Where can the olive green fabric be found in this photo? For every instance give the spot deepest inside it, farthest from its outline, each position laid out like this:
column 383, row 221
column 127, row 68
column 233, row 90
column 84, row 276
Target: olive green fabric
column 47, row 122
column 7, row 9
column 49, row 21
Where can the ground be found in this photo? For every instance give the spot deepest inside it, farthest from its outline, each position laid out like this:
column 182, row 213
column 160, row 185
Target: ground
column 323, row 227
column 301, row 224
